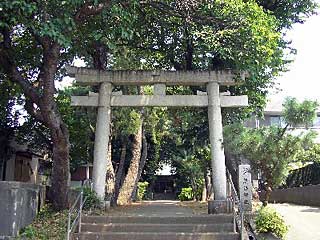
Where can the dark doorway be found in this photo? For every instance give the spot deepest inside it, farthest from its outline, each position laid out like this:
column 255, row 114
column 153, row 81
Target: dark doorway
column 22, row 170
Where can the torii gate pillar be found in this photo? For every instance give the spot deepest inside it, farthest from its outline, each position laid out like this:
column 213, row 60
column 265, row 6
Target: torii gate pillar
column 102, row 139
column 220, row 204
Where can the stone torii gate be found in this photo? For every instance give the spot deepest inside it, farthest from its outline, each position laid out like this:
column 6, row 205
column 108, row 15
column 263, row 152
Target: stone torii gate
column 212, row 99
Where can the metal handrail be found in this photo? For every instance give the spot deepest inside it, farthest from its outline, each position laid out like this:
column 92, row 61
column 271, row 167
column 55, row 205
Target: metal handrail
column 77, row 220
column 88, row 183
column 238, row 213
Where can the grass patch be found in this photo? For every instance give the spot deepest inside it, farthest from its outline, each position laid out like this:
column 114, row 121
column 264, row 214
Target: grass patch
column 47, row 225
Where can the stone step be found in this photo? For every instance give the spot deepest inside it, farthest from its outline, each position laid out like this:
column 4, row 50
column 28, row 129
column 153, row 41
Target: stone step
column 155, row 236
column 194, row 219
column 182, row 228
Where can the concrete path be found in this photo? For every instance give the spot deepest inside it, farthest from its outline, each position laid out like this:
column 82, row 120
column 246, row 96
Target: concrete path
column 163, row 208
column 304, row 221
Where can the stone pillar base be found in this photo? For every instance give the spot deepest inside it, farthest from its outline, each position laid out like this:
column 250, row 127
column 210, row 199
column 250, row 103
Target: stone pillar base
column 104, row 205
column 107, row 204
column 219, row 206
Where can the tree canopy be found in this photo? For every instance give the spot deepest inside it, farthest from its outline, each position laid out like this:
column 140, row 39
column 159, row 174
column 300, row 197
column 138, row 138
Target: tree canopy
column 39, row 38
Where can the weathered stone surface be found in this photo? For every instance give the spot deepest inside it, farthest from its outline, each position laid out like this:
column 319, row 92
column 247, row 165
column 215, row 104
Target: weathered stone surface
column 160, row 101
column 141, row 227
column 19, row 204
column 150, row 218
column 245, row 187
column 158, row 220
column 219, row 207
column 155, row 236
column 94, row 77
column 159, row 89
column 101, row 141
column 218, row 164
column 157, row 227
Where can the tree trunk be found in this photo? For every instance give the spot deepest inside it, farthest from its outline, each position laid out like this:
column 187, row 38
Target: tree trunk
column 120, row 172
column 41, row 95
column 204, row 193
column 144, row 154
column 4, row 144
column 60, row 171
column 268, row 193
column 143, row 161
column 110, row 180
column 59, row 132
column 194, row 188
column 60, row 146
column 209, row 187
column 131, row 177
column 204, row 189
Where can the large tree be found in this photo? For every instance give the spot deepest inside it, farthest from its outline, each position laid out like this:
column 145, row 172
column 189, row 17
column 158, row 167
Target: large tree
column 37, row 39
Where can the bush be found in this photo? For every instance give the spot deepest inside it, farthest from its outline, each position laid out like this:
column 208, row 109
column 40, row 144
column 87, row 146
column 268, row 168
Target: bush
column 92, row 199
column 268, row 220
column 48, row 224
column 186, row 194
column 142, row 189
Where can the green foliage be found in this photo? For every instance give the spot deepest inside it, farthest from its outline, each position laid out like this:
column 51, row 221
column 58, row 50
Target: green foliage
column 9, row 101
column 195, row 35
column 189, row 169
column 221, row 34
column 271, row 149
column 311, row 154
column 47, row 225
column 81, row 125
column 126, row 121
column 142, row 189
column 92, row 200
column 297, row 114
column 186, row 194
column 289, row 12
column 268, row 220
column 267, row 148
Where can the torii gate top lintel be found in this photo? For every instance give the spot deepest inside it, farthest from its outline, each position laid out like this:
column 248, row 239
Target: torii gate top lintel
column 89, row 76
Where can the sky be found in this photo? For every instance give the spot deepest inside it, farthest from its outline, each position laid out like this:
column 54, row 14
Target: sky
column 303, row 78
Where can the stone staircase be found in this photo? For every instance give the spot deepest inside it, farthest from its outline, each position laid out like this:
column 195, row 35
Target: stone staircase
column 195, row 227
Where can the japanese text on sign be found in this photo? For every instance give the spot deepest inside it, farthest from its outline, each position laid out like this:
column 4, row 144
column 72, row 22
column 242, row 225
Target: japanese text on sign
column 245, row 187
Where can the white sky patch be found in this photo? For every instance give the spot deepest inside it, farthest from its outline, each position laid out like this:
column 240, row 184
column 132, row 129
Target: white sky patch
column 302, row 80
column 67, row 81
column 164, row 170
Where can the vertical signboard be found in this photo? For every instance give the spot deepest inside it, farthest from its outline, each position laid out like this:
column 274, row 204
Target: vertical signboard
column 245, row 187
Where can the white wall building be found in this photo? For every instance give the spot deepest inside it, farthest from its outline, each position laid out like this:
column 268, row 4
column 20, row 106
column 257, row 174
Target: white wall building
column 273, row 116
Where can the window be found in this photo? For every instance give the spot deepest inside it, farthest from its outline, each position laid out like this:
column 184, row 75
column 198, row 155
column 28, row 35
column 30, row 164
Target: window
column 277, row 121
column 316, row 123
